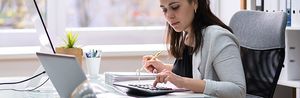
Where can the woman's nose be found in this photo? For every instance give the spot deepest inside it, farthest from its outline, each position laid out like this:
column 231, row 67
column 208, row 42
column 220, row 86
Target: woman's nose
column 170, row 15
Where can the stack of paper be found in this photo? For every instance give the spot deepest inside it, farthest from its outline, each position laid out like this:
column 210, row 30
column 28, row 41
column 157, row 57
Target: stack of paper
column 112, row 77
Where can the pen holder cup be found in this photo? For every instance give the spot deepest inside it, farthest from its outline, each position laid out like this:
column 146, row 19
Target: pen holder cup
column 93, row 66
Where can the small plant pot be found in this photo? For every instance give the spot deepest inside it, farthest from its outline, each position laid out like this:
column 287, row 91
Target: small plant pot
column 77, row 52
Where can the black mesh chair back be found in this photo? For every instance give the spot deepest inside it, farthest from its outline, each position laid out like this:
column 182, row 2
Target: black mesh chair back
column 262, row 41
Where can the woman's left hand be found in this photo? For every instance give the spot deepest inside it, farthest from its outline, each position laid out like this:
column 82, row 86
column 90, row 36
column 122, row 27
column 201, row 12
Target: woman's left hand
column 165, row 75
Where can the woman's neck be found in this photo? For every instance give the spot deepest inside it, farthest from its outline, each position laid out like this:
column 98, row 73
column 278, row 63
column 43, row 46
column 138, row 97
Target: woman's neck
column 189, row 39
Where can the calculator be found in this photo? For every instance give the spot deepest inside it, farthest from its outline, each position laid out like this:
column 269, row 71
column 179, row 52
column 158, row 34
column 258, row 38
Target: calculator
column 147, row 89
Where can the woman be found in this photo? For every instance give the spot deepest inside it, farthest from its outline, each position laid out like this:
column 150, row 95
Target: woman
column 207, row 53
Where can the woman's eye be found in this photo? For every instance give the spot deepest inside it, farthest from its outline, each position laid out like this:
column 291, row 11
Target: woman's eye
column 175, row 7
column 164, row 10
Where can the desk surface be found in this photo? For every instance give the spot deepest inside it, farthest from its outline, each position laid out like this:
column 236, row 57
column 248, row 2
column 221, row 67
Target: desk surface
column 47, row 91
column 283, row 80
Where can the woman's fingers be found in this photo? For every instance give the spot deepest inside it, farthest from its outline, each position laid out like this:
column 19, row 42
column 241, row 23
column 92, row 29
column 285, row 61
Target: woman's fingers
column 149, row 66
column 147, row 57
column 153, row 66
column 155, row 83
column 161, row 78
column 154, row 71
column 158, row 79
column 165, row 76
column 166, row 79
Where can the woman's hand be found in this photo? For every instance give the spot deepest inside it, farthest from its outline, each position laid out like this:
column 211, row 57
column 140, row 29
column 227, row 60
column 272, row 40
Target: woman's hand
column 166, row 75
column 152, row 64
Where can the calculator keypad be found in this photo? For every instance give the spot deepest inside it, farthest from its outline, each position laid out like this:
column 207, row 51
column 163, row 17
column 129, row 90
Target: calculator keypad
column 149, row 87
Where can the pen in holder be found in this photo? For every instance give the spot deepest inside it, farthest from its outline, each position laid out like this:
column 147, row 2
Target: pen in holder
column 93, row 60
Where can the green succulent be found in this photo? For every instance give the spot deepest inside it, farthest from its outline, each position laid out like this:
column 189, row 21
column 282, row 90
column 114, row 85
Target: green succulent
column 71, row 40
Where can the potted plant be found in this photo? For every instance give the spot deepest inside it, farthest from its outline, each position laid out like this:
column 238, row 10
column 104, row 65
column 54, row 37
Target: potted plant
column 69, row 47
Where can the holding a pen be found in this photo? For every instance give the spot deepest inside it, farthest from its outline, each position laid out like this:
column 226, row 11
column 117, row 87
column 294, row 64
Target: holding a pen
column 153, row 64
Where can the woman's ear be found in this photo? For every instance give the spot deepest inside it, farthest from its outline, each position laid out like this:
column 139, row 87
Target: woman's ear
column 195, row 5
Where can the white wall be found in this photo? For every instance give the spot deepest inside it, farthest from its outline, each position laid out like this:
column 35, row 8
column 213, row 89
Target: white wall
column 27, row 66
column 227, row 9
column 18, row 67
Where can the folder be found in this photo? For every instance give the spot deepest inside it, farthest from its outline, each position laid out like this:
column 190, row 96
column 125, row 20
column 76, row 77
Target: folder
column 251, row 5
column 288, row 11
column 271, row 5
column 282, row 5
column 259, row 5
column 267, row 5
column 275, row 5
column 295, row 13
column 285, row 6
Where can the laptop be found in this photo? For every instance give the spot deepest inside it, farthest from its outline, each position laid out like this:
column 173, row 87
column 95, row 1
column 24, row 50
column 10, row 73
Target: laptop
column 40, row 27
column 64, row 72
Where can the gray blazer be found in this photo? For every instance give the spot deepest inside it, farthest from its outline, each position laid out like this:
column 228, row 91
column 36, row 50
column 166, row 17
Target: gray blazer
column 219, row 64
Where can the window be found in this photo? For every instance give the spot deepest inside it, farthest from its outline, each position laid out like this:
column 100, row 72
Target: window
column 113, row 13
column 14, row 14
column 114, row 21
column 16, row 25
column 102, row 22
column 98, row 22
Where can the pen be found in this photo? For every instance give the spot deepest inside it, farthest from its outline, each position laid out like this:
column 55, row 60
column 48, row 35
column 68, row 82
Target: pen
column 93, row 53
column 141, row 69
column 154, row 56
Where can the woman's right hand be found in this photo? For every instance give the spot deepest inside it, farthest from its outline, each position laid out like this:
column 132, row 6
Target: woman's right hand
column 152, row 64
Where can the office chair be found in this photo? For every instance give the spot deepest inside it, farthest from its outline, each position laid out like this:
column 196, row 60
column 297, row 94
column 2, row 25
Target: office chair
column 262, row 42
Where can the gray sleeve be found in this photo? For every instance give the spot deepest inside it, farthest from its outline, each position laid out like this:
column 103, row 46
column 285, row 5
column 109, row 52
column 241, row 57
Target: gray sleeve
column 228, row 67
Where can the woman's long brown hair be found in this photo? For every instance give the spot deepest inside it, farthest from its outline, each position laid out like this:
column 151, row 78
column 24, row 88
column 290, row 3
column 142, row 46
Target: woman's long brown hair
column 202, row 19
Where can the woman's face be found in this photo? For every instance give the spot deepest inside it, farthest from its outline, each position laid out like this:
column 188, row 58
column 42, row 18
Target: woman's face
column 179, row 13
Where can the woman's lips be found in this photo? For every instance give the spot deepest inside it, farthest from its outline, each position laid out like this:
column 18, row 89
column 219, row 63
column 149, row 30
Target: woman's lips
column 175, row 23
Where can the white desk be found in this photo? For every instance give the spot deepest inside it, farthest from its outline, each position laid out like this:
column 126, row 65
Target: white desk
column 289, row 83
column 47, row 91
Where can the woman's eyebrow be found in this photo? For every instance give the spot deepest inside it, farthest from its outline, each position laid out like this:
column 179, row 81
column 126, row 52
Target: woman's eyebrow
column 169, row 4
column 173, row 3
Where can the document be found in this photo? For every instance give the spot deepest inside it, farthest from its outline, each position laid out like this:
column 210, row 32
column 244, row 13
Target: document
column 111, row 77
